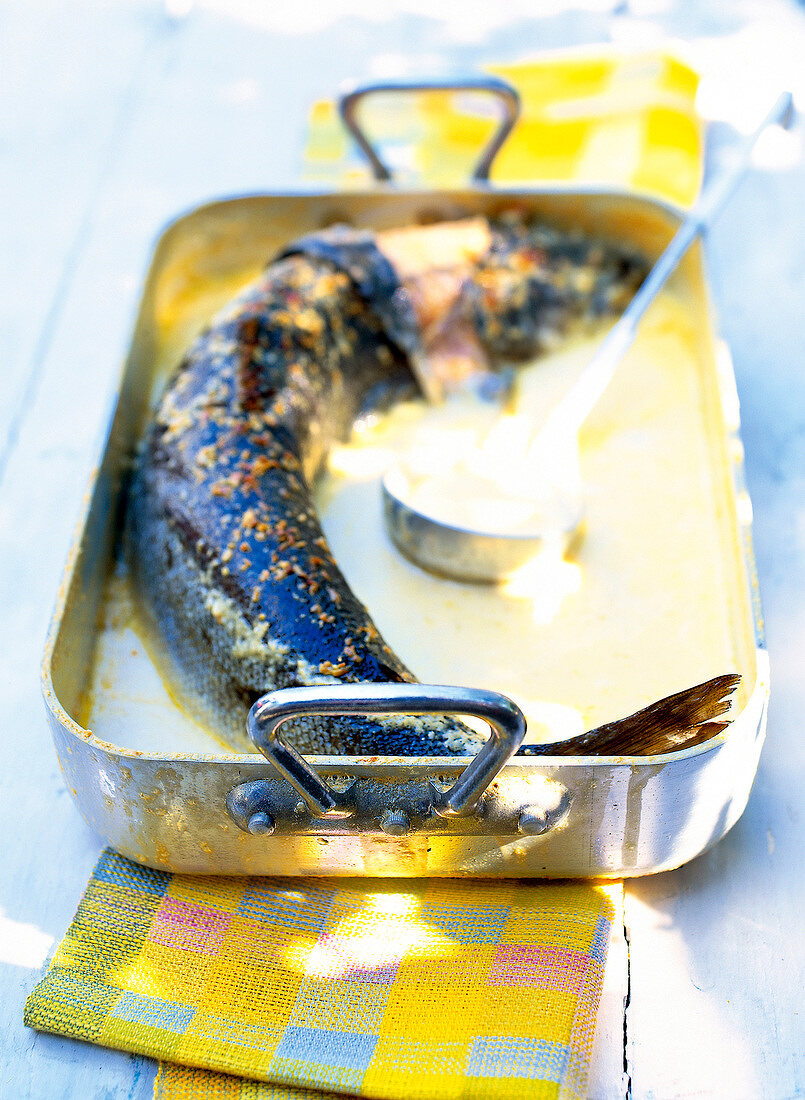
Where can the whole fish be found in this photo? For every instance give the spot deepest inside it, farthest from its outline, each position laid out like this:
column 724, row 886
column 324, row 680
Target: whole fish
column 225, row 546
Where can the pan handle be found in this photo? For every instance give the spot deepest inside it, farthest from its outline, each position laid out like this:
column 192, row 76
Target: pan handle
column 506, row 721
column 503, row 91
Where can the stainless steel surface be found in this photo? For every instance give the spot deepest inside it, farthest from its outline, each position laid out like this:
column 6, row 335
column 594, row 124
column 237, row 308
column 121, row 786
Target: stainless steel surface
column 395, row 822
column 506, row 724
column 608, row 816
column 484, row 556
column 261, row 823
column 535, row 821
column 500, row 89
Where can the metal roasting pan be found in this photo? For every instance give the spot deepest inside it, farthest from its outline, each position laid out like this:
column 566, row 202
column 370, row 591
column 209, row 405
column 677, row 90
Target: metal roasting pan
column 540, row 816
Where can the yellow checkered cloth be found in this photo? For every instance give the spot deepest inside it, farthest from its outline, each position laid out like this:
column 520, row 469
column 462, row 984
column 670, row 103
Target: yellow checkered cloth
column 265, row 989
column 396, row 989
column 605, row 117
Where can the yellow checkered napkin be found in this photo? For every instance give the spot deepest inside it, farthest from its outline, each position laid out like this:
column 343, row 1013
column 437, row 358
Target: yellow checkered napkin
column 387, row 988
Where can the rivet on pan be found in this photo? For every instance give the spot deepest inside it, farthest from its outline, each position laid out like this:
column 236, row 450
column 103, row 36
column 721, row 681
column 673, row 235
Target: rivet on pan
column 261, row 823
column 395, row 822
column 300, row 808
column 532, row 822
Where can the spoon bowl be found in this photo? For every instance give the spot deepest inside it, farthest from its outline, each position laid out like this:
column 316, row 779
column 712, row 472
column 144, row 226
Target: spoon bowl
column 462, row 552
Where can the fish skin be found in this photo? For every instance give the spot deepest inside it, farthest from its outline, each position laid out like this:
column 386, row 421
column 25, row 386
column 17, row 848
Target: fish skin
column 223, row 541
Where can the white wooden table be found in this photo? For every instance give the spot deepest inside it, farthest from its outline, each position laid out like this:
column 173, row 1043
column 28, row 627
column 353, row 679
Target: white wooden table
column 116, row 116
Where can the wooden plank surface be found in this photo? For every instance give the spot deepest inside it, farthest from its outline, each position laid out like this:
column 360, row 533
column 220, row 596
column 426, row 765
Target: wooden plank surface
column 115, row 117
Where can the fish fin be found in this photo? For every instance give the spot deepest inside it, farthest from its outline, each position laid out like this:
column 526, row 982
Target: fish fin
column 677, row 722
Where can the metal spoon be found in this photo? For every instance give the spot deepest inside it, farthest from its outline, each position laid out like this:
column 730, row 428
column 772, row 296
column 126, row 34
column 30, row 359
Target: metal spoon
column 477, row 555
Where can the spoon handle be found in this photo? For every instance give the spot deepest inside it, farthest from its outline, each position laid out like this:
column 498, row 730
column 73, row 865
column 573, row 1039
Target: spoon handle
column 580, row 399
